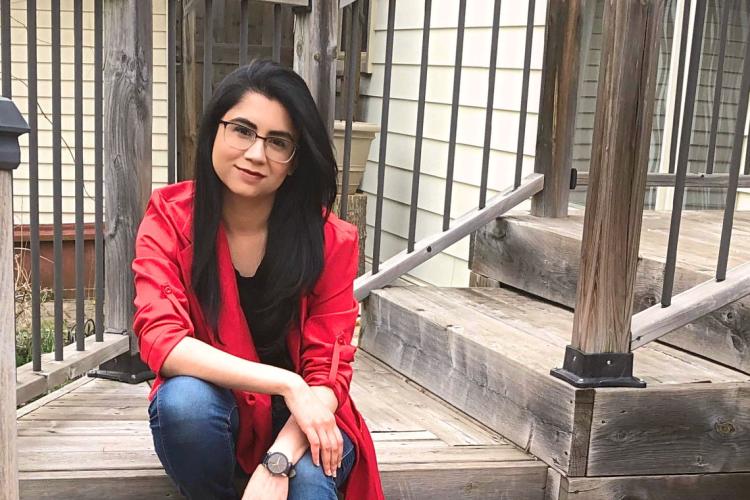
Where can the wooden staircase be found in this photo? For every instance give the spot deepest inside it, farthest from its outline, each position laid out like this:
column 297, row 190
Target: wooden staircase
column 488, row 352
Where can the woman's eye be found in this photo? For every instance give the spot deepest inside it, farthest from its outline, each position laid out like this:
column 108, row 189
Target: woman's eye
column 279, row 143
column 243, row 131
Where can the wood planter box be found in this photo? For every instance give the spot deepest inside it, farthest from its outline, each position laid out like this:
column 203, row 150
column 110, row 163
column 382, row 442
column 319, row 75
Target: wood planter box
column 22, row 250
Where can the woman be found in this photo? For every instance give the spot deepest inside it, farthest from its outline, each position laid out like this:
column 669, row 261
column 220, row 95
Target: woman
column 245, row 307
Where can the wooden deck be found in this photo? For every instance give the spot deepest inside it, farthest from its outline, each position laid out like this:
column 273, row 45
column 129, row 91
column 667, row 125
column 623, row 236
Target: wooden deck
column 542, row 258
column 91, row 439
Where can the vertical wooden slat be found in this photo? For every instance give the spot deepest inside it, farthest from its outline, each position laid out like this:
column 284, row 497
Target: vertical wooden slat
column 619, row 162
column 277, row 27
column 244, row 19
column 315, row 54
column 557, row 105
column 127, row 146
column 208, row 48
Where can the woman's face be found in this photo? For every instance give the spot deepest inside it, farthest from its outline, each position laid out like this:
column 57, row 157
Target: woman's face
column 250, row 172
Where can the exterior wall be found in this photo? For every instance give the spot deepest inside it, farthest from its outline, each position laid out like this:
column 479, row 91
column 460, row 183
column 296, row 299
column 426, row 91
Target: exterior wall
column 44, row 110
column 450, row 268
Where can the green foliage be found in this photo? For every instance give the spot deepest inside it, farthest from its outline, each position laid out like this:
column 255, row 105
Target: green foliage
column 24, row 341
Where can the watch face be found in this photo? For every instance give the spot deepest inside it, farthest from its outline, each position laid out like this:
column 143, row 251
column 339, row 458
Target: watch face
column 277, row 463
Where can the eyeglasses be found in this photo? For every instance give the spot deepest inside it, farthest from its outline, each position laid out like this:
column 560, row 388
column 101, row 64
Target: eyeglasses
column 277, row 149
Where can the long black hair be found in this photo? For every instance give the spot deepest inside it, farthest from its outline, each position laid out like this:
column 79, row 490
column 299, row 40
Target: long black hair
column 294, row 243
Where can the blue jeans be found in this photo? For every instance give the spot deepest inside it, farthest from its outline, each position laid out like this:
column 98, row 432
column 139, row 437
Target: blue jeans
column 194, row 425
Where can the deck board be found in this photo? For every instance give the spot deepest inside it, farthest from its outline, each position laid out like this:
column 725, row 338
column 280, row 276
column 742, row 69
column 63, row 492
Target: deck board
column 98, row 432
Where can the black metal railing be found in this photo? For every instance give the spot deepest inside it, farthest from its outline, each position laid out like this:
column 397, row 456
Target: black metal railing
column 57, row 144
column 681, row 168
column 462, row 227
column 688, row 168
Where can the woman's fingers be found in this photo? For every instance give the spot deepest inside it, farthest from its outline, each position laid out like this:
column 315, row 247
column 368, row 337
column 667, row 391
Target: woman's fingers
column 340, row 446
column 326, row 452
column 337, row 442
column 312, row 438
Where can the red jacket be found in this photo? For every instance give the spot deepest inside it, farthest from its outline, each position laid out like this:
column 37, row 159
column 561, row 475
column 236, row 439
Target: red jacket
column 320, row 347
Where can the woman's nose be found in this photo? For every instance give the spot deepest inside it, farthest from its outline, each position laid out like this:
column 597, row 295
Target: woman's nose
column 256, row 151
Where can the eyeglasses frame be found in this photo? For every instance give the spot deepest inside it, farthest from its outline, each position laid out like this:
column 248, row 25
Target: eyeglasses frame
column 257, row 136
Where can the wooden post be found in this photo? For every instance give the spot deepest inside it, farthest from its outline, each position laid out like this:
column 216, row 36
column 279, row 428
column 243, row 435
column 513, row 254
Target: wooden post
column 315, row 42
column 599, row 354
column 12, row 125
column 8, row 463
column 127, row 148
column 557, row 106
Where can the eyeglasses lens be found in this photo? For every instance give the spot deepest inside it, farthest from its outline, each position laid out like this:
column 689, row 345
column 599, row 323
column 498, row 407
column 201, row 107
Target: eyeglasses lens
column 276, row 148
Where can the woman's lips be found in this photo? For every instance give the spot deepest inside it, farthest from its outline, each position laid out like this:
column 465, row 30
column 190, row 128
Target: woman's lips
column 250, row 172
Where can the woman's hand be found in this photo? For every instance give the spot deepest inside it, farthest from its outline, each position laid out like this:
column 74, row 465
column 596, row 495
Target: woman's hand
column 265, row 486
column 318, row 424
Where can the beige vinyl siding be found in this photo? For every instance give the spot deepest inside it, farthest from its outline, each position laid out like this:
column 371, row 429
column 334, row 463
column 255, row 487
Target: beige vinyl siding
column 450, row 268
column 19, row 70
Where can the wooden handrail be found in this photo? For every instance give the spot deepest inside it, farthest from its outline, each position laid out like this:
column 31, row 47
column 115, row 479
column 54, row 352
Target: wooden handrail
column 403, row 262
column 668, row 180
column 690, row 305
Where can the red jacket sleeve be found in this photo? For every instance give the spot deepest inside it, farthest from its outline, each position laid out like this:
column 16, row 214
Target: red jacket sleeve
column 162, row 316
column 326, row 350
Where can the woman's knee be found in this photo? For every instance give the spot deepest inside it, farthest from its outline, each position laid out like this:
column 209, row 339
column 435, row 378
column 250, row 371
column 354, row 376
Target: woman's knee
column 190, row 403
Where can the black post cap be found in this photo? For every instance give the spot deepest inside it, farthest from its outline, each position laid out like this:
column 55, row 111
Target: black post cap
column 12, row 125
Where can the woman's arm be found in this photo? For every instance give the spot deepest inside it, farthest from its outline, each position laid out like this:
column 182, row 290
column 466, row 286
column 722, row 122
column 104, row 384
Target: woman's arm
column 198, row 359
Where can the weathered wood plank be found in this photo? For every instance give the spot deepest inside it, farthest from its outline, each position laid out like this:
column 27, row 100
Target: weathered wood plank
column 517, row 482
column 489, row 370
column 552, row 489
column 88, row 413
column 541, row 257
column 83, row 428
column 559, row 93
column 422, row 410
column 148, row 484
column 656, row 363
column 697, row 428
column 67, row 388
column 315, row 41
column 75, row 363
column 91, row 460
column 661, row 487
column 690, row 305
column 128, row 70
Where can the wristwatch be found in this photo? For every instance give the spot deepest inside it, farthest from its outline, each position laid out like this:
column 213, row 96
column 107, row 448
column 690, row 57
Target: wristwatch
column 278, row 464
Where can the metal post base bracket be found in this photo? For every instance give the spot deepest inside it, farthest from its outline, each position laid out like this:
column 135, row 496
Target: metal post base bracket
column 130, row 378
column 606, row 369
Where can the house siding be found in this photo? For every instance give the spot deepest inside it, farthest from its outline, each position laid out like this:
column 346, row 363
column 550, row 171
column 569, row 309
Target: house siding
column 450, row 268
column 19, row 69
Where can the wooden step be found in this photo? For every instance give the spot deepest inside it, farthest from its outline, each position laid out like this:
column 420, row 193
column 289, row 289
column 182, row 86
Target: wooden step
column 542, row 256
column 91, row 440
column 488, row 351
